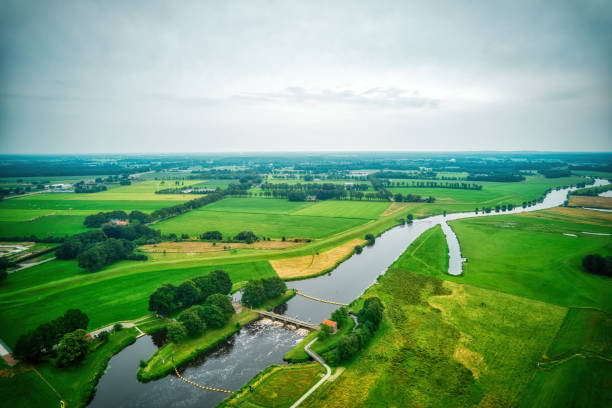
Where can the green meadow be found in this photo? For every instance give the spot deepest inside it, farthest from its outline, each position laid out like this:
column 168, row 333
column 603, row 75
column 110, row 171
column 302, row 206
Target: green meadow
column 440, row 343
column 120, row 292
column 274, row 217
column 63, row 213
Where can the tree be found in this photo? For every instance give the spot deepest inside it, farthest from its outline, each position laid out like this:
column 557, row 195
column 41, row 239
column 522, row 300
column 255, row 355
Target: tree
column 206, row 285
column 370, row 238
column 273, row 287
column 597, row 264
column 4, row 263
column 324, row 332
column 247, row 236
column 398, row 197
column 103, row 336
column 222, row 282
column 163, row 300
column 223, row 302
column 358, row 249
column 72, row 348
column 192, row 322
column 340, row 316
column 74, row 319
column 253, row 294
column 176, row 332
column 140, row 217
column 372, row 312
column 187, row 294
column 213, row 316
column 29, row 347
column 347, row 347
column 296, row 196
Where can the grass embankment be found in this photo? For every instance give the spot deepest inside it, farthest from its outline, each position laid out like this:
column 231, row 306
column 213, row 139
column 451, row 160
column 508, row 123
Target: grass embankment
column 74, row 384
column 298, row 355
column 442, row 343
column 577, row 368
column 529, row 255
column 277, row 386
column 170, row 355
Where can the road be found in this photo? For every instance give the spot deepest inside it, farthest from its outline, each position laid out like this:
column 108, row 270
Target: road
column 319, row 360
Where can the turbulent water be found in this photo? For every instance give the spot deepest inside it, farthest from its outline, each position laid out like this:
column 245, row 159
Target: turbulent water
column 236, row 360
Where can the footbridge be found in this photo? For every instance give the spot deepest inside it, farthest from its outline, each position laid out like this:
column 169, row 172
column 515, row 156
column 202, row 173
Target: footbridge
column 288, row 319
column 321, row 300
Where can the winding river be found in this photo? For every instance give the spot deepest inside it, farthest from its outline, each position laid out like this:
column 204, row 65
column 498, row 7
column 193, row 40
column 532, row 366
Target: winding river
column 236, row 360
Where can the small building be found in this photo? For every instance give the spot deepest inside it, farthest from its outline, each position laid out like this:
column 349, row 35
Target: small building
column 119, row 222
column 332, row 324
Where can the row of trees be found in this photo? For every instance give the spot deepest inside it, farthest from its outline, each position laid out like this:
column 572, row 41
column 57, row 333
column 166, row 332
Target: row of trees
column 592, row 192
column 597, row 264
column 434, row 184
column 256, row 292
column 35, row 344
column 498, row 177
column 213, row 314
column 97, row 220
column 369, row 318
column 412, row 198
column 178, row 209
column 168, row 298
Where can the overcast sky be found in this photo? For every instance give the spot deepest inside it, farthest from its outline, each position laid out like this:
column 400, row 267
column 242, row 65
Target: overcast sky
column 201, row 76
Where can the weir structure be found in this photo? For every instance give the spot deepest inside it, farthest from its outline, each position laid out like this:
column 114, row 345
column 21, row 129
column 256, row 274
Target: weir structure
column 287, row 319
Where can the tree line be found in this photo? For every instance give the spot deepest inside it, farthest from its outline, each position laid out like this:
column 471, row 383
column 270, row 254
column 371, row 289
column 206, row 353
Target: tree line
column 435, row 184
column 592, row 191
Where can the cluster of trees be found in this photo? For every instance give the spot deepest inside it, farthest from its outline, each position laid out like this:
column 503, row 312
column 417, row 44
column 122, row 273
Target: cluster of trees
column 96, row 249
column 81, row 187
column 555, row 173
column 35, row 344
column 168, row 298
column 101, row 218
column 597, row 264
column 403, row 175
column 434, row 184
column 369, row 318
column 246, row 236
column 4, row 264
column 256, row 292
column 212, row 236
column 213, row 314
column 412, row 198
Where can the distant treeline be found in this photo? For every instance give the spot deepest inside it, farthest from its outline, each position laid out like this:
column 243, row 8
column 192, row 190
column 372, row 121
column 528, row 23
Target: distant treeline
column 555, row 173
column 57, row 168
column 498, row 177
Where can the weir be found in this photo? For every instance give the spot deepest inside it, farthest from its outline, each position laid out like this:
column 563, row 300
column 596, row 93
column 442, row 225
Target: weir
column 287, row 319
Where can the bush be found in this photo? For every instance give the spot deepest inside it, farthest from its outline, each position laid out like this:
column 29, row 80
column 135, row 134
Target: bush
column 247, row 236
column 597, row 264
column 142, row 364
column 358, row 249
column 103, row 336
column 370, row 238
column 117, row 327
column 212, row 236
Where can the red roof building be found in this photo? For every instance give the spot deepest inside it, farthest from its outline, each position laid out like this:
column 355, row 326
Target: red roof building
column 332, row 324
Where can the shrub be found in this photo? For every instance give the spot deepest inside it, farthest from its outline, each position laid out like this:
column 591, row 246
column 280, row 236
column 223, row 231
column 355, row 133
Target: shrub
column 117, row 327
column 103, row 336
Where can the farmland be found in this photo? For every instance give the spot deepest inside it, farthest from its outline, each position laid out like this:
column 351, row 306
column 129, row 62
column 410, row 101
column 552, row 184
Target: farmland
column 274, row 217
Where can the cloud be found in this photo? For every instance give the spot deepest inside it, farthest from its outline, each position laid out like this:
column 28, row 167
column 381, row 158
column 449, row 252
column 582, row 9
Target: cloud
column 376, row 97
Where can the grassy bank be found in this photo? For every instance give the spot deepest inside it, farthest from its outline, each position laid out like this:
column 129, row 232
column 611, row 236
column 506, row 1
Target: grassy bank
column 276, row 386
column 170, row 355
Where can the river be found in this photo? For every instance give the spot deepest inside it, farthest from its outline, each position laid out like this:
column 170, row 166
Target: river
column 255, row 347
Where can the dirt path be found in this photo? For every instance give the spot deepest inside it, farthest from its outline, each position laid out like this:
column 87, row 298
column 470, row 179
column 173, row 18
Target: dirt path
column 319, row 360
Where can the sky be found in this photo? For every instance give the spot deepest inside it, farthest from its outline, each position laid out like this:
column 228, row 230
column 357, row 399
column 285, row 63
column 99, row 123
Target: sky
column 85, row 76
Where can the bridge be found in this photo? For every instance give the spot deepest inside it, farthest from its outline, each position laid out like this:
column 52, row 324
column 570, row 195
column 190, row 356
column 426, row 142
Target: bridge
column 321, row 300
column 288, row 319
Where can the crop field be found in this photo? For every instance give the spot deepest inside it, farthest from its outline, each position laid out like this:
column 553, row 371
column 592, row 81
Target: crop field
column 274, row 218
column 442, row 343
column 529, row 255
column 492, row 193
column 120, row 292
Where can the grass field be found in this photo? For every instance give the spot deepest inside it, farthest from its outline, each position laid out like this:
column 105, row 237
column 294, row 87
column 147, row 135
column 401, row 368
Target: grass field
column 25, row 389
column 529, row 255
column 35, row 298
column 577, row 368
column 63, row 213
column 274, row 217
column 443, row 344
